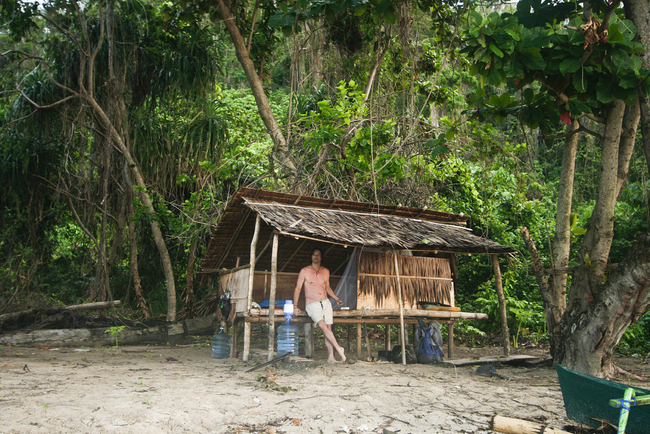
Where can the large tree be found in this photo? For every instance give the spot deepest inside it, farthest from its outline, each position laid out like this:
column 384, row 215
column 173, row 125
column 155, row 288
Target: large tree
column 98, row 70
column 587, row 69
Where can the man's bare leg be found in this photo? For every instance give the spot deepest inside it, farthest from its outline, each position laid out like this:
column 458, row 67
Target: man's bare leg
column 331, row 340
column 330, row 352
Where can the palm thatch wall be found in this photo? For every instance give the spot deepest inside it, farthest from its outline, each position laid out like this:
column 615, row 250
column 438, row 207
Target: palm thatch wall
column 421, row 278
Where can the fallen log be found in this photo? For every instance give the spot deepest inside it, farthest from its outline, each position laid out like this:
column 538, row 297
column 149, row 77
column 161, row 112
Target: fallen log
column 170, row 332
column 518, row 358
column 73, row 308
column 509, row 425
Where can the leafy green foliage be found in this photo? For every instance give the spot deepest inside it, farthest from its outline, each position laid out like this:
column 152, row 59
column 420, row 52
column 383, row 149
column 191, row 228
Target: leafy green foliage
column 341, row 127
column 585, row 75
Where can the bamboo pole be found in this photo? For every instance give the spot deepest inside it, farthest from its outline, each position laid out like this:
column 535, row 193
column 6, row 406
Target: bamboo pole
column 450, row 341
column 249, row 298
column 349, row 337
column 502, row 304
column 381, row 313
column 401, row 309
column 358, row 307
column 358, row 340
column 274, row 279
column 347, row 321
column 387, row 341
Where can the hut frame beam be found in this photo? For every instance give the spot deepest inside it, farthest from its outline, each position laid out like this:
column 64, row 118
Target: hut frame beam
column 502, row 304
column 274, row 269
column 249, row 298
column 401, row 309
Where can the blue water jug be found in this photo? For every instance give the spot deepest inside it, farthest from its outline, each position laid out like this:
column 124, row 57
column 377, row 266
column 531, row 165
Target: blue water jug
column 288, row 334
column 220, row 345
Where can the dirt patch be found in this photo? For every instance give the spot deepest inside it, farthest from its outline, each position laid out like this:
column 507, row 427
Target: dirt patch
column 182, row 389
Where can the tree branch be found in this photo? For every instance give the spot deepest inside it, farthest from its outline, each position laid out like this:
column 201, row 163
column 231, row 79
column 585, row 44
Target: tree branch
column 564, row 98
column 81, row 225
column 70, row 36
column 582, row 129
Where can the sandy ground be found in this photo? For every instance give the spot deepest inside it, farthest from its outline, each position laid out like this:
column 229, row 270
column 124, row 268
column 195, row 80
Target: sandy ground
column 181, row 389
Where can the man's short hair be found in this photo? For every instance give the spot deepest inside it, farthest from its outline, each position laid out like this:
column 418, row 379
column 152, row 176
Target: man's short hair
column 314, row 249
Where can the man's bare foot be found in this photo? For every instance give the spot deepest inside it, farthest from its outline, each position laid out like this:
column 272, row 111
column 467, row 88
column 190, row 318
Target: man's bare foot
column 331, row 359
column 341, row 352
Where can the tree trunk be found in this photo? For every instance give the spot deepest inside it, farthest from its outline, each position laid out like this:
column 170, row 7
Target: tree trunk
column 102, row 289
column 639, row 12
column 596, row 245
column 189, row 280
column 146, row 200
column 628, row 140
column 597, row 316
column 281, row 151
column 589, row 339
column 562, row 240
column 135, row 272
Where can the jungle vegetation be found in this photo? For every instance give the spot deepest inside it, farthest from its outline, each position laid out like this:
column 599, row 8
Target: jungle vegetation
column 126, row 125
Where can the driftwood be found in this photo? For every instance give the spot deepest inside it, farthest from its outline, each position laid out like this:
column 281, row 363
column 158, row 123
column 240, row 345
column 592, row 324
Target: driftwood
column 515, row 359
column 50, row 311
column 171, row 332
column 509, row 425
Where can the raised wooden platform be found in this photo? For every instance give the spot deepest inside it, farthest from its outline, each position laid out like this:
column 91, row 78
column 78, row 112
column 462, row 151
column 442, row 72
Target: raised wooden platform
column 358, row 317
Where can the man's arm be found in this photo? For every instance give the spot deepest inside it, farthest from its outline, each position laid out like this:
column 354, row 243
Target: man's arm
column 330, row 291
column 296, row 292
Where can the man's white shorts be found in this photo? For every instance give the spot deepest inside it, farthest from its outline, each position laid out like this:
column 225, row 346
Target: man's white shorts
column 320, row 310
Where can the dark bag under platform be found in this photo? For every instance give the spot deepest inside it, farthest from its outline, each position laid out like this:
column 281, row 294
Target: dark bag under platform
column 410, row 354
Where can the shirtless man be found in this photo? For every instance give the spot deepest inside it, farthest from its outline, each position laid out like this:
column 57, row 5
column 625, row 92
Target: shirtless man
column 316, row 280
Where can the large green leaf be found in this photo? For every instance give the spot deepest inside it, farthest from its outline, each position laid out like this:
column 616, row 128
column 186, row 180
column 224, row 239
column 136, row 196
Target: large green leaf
column 628, row 82
column 529, row 94
column 604, row 90
column 495, row 77
column 496, row 50
column 617, row 62
column 624, row 94
column 534, row 38
column 577, row 108
column 533, row 62
column 281, row 19
column 570, row 65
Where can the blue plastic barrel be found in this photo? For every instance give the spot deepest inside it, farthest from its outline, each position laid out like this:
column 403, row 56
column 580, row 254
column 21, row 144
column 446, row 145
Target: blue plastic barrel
column 220, row 345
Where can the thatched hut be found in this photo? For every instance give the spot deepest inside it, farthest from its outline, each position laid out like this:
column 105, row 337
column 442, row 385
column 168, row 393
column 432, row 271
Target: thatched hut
column 389, row 262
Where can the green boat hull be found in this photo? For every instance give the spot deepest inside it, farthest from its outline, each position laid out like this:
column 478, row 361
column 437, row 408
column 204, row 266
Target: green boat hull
column 587, row 397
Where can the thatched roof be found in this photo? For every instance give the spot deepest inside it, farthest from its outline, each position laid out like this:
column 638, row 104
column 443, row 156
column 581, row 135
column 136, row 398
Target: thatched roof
column 371, row 230
column 333, row 225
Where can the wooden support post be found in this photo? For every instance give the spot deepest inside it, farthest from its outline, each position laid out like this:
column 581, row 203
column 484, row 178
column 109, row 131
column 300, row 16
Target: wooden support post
column 450, row 341
column 233, row 339
column 502, row 304
column 249, row 298
column 387, row 341
column 309, row 339
column 349, row 337
column 358, row 341
column 274, row 279
column 401, row 309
